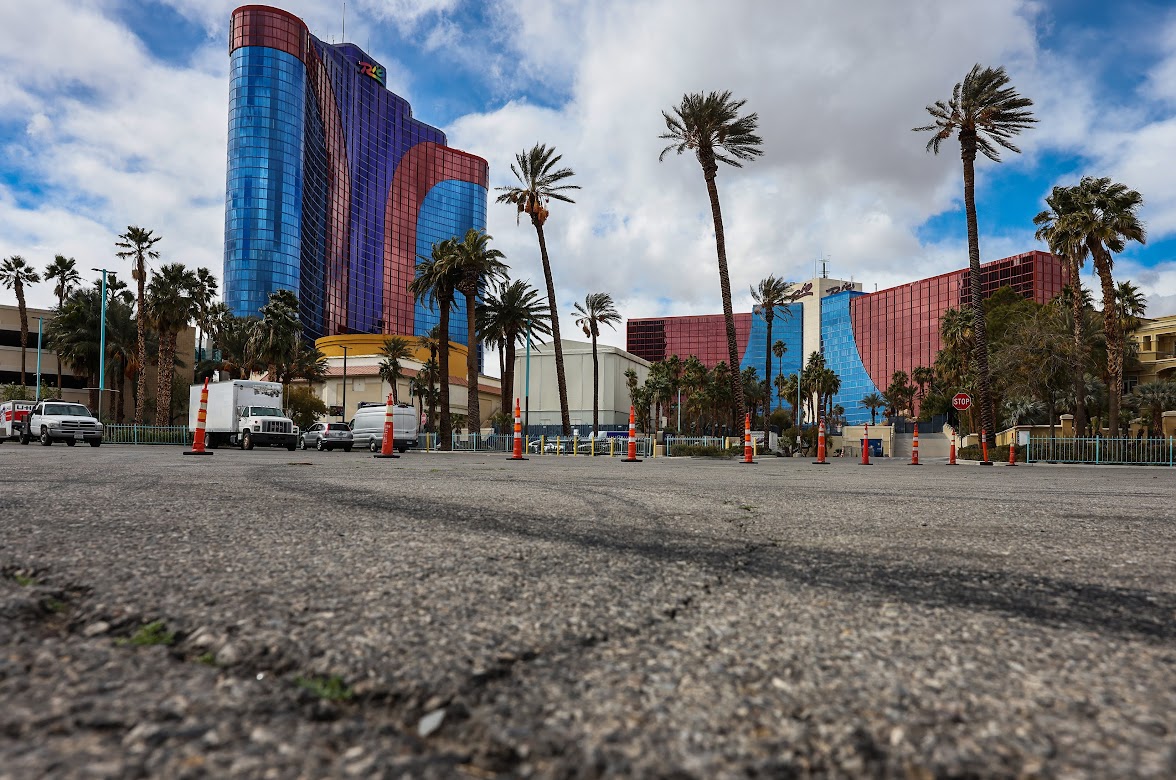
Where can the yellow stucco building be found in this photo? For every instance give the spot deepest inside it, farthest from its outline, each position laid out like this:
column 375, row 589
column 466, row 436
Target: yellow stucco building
column 1156, row 339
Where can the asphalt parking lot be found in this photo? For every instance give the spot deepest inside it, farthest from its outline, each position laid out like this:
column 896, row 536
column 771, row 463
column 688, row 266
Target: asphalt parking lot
column 447, row 615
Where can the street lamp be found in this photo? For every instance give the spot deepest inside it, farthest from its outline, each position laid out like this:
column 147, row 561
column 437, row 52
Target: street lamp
column 343, row 408
column 102, row 344
column 39, row 329
column 527, row 385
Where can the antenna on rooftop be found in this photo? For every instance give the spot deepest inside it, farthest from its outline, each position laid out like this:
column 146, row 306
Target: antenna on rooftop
column 343, row 37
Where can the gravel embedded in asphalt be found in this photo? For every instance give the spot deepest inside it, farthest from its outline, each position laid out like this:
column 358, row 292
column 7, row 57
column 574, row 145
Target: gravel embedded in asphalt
column 444, row 614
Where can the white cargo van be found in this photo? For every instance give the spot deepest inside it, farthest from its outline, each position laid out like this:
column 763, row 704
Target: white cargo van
column 243, row 413
column 367, row 427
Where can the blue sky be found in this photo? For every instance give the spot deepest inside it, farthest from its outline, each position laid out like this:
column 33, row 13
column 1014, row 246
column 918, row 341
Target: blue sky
column 129, row 128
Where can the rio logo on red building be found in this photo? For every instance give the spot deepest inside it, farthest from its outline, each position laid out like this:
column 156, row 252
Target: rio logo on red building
column 377, row 72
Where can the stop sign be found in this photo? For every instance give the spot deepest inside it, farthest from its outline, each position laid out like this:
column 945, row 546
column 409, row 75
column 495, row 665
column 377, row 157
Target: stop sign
column 961, row 401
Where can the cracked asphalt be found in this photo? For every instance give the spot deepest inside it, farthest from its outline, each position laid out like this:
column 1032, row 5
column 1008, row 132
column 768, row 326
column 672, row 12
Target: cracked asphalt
column 330, row 614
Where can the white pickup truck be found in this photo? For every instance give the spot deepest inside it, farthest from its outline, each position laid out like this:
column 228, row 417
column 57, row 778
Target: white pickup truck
column 51, row 421
column 243, row 413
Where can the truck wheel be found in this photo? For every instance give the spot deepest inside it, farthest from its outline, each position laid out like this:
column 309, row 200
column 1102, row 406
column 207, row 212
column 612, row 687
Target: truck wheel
column 45, row 440
column 210, row 441
column 402, row 450
column 347, row 448
column 246, row 441
column 95, row 442
column 70, row 442
column 291, row 447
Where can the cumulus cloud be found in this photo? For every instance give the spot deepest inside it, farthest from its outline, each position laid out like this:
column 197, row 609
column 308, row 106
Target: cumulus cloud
column 131, row 139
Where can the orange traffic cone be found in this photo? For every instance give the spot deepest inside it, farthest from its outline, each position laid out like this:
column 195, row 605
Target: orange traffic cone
column 748, row 453
column 984, row 447
column 866, row 446
column 389, row 433
column 1012, row 453
column 915, row 449
column 518, row 433
column 951, row 458
column 821, row 461
column 632, row 437
column 201, row 420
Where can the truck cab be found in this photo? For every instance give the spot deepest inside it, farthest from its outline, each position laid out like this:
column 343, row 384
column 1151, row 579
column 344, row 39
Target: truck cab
column 265, row 425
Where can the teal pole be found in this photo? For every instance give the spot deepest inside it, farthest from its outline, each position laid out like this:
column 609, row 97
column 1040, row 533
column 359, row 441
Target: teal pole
column 38, row 392
column 102, row 345
column 527, row 385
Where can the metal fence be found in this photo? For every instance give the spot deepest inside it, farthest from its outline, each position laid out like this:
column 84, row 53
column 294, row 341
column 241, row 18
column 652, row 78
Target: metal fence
column 1101, row 450
column 693, row 441
column 146, row 434
column 540, row 445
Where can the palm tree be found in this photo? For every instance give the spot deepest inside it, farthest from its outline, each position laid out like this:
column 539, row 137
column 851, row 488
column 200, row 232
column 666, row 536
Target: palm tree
column 236, row 338
column 394, row 351
column 779, row 348
column 769, row 295
column 1105, row 216
column 431, row 341
column 204, row 299
column 435, row 283
column 117, row 288
column 1153, row 399
column 539, row 184
column 64, row 271
column 710, row 126
column 277, row 335
column 73, row 334
column 873, row 402
column 307, row 362
column 170, row 307
column 787, row 387
column 506, row 316
column 597, row 310
column 474, row 265
column 1068, row 243
column 15, row 273
column 986, row 113
column 137, row 245
column 923, row 378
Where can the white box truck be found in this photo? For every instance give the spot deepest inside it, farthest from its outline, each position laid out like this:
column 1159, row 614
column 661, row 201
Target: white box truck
column 243, row 413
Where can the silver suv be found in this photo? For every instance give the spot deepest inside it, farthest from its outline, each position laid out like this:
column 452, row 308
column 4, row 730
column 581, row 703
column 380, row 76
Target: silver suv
column 51, row 421
column 327, row 436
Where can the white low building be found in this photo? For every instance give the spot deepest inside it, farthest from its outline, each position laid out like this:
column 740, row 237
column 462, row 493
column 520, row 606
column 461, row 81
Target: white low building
column 544, row 388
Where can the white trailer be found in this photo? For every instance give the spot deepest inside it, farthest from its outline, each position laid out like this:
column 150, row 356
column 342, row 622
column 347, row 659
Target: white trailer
column 243, row 413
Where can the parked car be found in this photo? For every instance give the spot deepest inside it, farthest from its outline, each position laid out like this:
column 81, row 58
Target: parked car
column 327, row 436
column 367, row 427
column 51, row 421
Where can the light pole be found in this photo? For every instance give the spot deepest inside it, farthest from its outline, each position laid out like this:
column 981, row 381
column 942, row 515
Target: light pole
column 343, row 408
column 102, row 344
column 38, row 391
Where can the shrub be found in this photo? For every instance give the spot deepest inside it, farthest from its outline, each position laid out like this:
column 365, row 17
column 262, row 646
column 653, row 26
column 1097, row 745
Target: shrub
column 304, row 407
column 999, row 454
column 699, row 451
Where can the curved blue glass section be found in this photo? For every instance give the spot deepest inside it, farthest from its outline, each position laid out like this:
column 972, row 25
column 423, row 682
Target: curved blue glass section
column 263, row 237
column 841, row 355
column 450, row 209
column 787, row 326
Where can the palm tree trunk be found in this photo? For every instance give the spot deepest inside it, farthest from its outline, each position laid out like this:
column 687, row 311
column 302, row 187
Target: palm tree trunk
column 24, row 328
column 508, row 376
column 473, row 406
column 561, row 379
column 709, row 170
column 979, row 328
column 445, row 428
column 141, row 327
column 1113, row 332
column 165, row 371
column 503, row 388
column 1077, row 312
column 60, row 306
column 595, row 390
column 771, row 315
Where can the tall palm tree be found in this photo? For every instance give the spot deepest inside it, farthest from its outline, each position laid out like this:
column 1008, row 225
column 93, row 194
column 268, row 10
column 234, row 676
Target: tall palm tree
column 779, row 348
column 170, row 308
column 985, row 112
column 431, row 341
column 137, row 245
column 73, row 334
column 1105, row 215
column 64, row 272
column 435, row 284
column 873, row 402
column 15, row 273
column 117, row 288
column 204, row 299
column 923, row 378
column 276, row 337
column 394, row 352
column 506, row 315
column 539, row 184
column 474, row 265
column 769, row 295
column 1069, row 244
column 597, row 310
column 710, row 126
